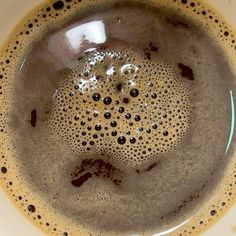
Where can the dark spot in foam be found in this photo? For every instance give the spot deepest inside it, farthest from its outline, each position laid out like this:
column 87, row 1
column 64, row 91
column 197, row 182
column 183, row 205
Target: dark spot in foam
column 152, row 47
column 177, row 23
column 149, row 168
column 33, row 120
column 126, row 100
column 119, row 87
column 186, row 71
column 98, row 77
column 103, row 46
column 147, row 55
column 98, row 168
column 81, row 180
column 152, row 166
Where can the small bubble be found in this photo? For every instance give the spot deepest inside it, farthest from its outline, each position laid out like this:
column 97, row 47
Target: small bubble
column 98, row 127
column 137, row 118
column 82, row 123
column 134, row 92
column 148, row 131
column 76, row 117
column 154, row 126
column 107, row 115
column 114, row 133
column 96, row 97
column 128, row 116
column 226, row 33
column 132, row 140
column 31, row 208
column 121, row 140
column 4, row 170
column 121, row 109
column 154, row 95
column 107, row 100
column 165, row 133
column 213, row 212
column 58, row 5
column 113, row 124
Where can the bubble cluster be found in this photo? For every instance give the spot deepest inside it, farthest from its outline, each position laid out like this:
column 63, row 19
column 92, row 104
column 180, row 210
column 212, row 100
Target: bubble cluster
column 139, row 110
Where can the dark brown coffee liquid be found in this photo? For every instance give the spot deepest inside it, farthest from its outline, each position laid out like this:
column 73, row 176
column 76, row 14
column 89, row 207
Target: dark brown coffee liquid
column 118, row 117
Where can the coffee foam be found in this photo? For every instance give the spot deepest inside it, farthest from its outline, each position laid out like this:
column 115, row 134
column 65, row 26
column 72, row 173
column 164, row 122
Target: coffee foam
column 38, row 202
column 136, row 128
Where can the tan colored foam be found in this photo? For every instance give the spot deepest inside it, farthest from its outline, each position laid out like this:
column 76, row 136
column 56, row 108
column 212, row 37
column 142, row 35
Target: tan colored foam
column 162, row 103
column 58, row 212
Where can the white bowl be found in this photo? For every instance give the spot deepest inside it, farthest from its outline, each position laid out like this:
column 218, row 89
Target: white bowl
column 12, row 223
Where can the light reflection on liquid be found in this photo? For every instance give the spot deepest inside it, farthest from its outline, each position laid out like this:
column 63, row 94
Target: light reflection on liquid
column 68, row 45
column 92, row 32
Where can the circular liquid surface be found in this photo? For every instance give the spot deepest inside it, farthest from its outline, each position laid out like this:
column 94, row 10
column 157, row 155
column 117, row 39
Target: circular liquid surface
column 118, row 117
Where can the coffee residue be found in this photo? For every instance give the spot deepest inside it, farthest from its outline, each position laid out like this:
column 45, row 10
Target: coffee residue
column 81, row 180
column 33, row 118
column 97, row 168
column 151, row 48
column 177, row 23
column 186, row 71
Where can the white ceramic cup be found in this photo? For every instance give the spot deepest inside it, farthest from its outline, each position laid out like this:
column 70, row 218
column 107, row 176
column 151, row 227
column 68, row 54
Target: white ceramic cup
column 12, row 223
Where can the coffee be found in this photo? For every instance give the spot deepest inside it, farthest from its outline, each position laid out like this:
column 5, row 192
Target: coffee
column 117, row 117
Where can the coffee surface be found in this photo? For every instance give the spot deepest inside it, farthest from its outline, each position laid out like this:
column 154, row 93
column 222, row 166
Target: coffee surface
column 117, row 117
